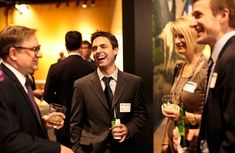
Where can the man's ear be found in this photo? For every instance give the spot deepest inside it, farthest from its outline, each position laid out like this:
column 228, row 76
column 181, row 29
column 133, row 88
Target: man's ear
column 12, row 53
column 115, row 51
column 224, row 15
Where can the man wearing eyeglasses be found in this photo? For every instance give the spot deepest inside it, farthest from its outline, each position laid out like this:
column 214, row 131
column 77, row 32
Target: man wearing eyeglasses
column 22, row 128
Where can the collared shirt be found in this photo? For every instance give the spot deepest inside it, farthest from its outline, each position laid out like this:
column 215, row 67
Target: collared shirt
column 215, row 54
column 18, row 75
column 112, row 83
column 73, row 53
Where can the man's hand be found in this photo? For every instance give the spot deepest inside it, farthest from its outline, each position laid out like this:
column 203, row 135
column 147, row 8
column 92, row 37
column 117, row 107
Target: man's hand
column 120, row 130
column 192, row 134
column 38, row 93
column 64, row 149
column 54, row 120
column 172, row 111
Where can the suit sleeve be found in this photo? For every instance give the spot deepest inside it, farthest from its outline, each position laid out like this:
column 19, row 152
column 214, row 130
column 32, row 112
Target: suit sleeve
column 12, row 138
column 76, row 121
column 139, row 115
column 228, row 106
column 50, row 90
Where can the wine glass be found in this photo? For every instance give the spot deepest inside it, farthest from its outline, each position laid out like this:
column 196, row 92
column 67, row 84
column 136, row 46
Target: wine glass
column 56, row 119
column 170, row 102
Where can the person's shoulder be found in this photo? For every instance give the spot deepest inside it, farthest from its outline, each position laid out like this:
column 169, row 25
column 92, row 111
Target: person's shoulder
column 54, row 68
column 7, row 83
column 86, row 78
column 129, row 76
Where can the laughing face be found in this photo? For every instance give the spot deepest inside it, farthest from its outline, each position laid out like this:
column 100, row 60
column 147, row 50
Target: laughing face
column 180, row 43
column 205, row 23
column 103, row 53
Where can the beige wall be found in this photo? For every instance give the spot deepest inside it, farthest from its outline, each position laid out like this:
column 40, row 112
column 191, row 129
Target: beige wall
column 2, row 18
column 52, row 24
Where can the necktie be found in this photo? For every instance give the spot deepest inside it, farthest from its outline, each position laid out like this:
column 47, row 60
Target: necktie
column 31, row 97
column 202, row 134
column 107, row 91
column 210, row 65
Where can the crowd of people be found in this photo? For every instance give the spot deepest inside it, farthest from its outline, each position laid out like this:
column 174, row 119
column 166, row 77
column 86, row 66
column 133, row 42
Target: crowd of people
column 105, row 107
column 206, row 89
column 88, row 123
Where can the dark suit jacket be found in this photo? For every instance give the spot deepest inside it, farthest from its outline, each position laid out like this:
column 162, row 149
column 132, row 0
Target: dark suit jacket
column 91, row 116
column 21, row 131
column 59, row 84
column 220, row 107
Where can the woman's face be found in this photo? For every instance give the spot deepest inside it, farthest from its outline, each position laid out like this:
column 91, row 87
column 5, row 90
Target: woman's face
column 180, row 43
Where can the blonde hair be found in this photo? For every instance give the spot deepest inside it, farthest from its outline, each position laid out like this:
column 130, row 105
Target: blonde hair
column 182, row 26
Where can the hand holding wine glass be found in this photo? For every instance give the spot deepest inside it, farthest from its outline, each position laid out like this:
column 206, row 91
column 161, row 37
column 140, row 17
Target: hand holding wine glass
column 170, row 106
column 55, row 118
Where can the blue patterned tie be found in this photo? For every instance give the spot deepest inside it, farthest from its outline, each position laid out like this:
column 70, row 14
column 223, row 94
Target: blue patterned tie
column 107, row 91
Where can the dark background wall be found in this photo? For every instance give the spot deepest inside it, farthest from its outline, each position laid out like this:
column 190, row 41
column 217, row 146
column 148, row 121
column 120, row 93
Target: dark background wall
column 137, row 52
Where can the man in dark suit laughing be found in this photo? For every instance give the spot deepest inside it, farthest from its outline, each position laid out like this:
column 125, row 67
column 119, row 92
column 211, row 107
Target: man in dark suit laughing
column 215, row 25
column 108, row 107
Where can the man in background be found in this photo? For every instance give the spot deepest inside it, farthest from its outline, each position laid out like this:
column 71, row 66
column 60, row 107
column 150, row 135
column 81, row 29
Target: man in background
column 215, row 25
column 60, row 79
column 22, row 128
column 105, row 97
column 86, row 51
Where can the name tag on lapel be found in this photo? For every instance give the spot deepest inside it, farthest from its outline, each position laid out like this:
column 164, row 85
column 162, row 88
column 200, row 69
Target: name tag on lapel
column 190, row 86
column 213, row 80
column 125, row 107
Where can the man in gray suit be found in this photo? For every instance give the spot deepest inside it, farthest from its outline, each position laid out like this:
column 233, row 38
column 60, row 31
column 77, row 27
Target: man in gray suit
column 96, row 104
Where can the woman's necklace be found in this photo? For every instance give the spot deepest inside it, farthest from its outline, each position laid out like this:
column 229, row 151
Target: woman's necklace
column 191, row 68
column 188, row 77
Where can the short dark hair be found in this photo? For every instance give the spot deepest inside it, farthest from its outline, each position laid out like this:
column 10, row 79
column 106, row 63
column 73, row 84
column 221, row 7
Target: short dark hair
column 73, row 40
column 12, row 36
column 87, row 43
column 110, row 36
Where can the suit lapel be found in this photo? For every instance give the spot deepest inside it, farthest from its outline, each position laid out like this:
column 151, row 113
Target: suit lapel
column 21, row 89
column 97, row 89
column 120, row 87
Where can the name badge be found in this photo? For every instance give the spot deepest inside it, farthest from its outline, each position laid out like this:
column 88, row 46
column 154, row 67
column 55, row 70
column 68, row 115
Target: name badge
column 190, row 86
column 213, row 80
column 125, row 107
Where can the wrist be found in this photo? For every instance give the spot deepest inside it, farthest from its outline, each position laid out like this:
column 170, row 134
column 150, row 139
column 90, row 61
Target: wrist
column 193, row 119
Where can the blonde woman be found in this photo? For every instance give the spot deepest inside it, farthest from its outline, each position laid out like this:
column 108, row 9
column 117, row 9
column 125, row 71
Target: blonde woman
column 189, row 83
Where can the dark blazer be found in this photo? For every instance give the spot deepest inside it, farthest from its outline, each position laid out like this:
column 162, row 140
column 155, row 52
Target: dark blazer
column 21, row 131
column 219, row 117
column 59, row 84
column 91, row 116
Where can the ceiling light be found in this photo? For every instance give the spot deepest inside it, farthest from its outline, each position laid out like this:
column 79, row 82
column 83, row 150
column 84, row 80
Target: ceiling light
column 22, row 8
column 84, row 4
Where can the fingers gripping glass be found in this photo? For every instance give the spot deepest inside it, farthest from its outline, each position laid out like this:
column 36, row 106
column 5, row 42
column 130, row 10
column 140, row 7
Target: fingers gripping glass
column 33, row 49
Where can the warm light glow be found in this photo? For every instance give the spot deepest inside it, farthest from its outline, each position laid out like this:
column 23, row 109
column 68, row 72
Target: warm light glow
column 84, row 4
column 51, row 30
column 207, row 52
column 22, row 8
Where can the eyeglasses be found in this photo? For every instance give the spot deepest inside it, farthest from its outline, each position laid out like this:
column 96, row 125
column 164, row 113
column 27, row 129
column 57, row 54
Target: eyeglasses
column 33, row 49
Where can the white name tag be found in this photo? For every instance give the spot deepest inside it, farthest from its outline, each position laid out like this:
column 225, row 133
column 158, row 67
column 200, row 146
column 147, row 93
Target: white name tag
column 190, row 86
column 213, row 80
column 125, row 107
